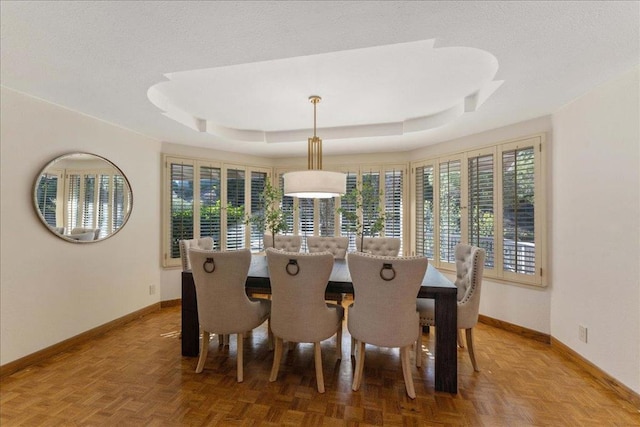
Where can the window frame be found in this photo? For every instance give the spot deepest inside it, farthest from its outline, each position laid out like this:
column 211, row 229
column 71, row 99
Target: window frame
column 537, row 142
column 167, row 161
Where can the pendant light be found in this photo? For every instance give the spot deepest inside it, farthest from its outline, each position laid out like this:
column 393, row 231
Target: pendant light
column 314, row 183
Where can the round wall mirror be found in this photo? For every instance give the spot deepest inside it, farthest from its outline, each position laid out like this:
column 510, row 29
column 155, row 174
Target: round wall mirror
column 82, row 197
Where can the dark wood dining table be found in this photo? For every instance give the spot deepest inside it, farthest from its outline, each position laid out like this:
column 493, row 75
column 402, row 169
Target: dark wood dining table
column 434, row 285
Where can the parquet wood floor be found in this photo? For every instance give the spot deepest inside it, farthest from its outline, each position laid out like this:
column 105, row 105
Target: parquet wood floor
column 135, row 376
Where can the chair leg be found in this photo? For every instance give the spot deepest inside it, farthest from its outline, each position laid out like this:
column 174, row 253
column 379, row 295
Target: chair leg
column 339, row 341
column 357, row 376
column 318, row 362
column 204, row 349
column 406, row 371
column 226, row 339
column 353, row 347
column 460, row 341
column 419, row 347
column 277, row 355
column 269, row 335
column 469, row 333
column 239, row 356
column 220, row 339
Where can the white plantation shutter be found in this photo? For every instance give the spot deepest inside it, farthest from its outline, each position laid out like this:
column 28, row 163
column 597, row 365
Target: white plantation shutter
column 393, row 205
column 258, row 182
column 49, row 186
column 481, row 205
column 305, row 220
column 518, row 199
column 120, row 201
column 450, row 206
column 235, row 209
column 371, row 212
column 327, row 216
column 352, row 182
column 181, row 210
column 287, row 206
column 425, row 214
column 210, row 186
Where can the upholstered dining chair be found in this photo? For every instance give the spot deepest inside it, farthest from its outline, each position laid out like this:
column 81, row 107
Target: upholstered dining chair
column 336, row 245
column 283, row 242
column 385, row 246
column 223, row 305
column 84, row 230
column 299, row 312
column 384, row 310
column 205, row 243
column 469, row 269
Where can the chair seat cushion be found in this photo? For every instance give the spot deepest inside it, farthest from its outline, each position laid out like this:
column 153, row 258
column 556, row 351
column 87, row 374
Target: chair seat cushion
column 426, row 309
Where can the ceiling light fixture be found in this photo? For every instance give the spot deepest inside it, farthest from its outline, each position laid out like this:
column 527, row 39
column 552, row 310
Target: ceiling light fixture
column 315, row 183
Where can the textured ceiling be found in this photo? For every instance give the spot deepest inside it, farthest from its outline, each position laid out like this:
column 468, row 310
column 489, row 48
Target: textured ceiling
column 101, row 58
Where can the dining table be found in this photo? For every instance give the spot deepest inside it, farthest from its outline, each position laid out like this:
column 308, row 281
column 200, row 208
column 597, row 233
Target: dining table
column 434, row 285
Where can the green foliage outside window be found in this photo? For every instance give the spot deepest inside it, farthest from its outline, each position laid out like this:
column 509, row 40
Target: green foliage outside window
column 364, row 200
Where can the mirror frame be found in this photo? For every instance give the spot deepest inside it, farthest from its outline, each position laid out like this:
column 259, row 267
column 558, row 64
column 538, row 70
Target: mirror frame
column 68, row 155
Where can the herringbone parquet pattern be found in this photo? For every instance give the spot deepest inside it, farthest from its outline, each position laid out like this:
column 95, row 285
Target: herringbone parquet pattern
column 136, row 376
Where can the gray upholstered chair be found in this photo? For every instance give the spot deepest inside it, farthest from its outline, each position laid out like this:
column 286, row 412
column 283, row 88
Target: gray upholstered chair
column 83, row 237
column 336, row 245
column 384, row 310
column 385, row 246
column 223, row 305
column 84, row 230
column 205, row 243
column 283, row 242
column 469, row 269
column 299, row 312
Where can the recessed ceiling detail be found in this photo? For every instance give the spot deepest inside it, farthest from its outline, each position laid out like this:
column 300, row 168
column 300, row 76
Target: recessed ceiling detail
column 378, row 91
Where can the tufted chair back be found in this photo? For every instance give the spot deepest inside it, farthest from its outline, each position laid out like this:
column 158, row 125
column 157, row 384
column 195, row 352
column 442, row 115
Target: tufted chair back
column 283, row 242
column 384, row 309
column 298, row 309
column 336, row 245
column 223, row 305
column 205, row 243
column 469, row 269
column 385, row 246
column 83, row 230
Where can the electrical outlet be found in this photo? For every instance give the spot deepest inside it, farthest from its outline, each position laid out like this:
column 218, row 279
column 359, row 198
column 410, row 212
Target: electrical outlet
column 152, row 289
column 582, row 333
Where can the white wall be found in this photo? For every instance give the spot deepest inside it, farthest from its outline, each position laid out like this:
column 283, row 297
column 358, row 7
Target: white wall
column 50, row 289
column 596, row 227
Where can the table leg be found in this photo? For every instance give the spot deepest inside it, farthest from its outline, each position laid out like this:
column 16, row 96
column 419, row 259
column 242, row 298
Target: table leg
column 446, row 311
column 190, row 325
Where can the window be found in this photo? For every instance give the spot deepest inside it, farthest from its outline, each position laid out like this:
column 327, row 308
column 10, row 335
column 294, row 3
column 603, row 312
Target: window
column 425, row 215
column 518, row 201
column 94, row 199
column 450, row 206
column 320, row 217
column 346, row 225
column 258, row 182
column 235, row 209
column 481, row 204
column 224, row 196
column 49, row 186
column 491, row 198
column 393, row 204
